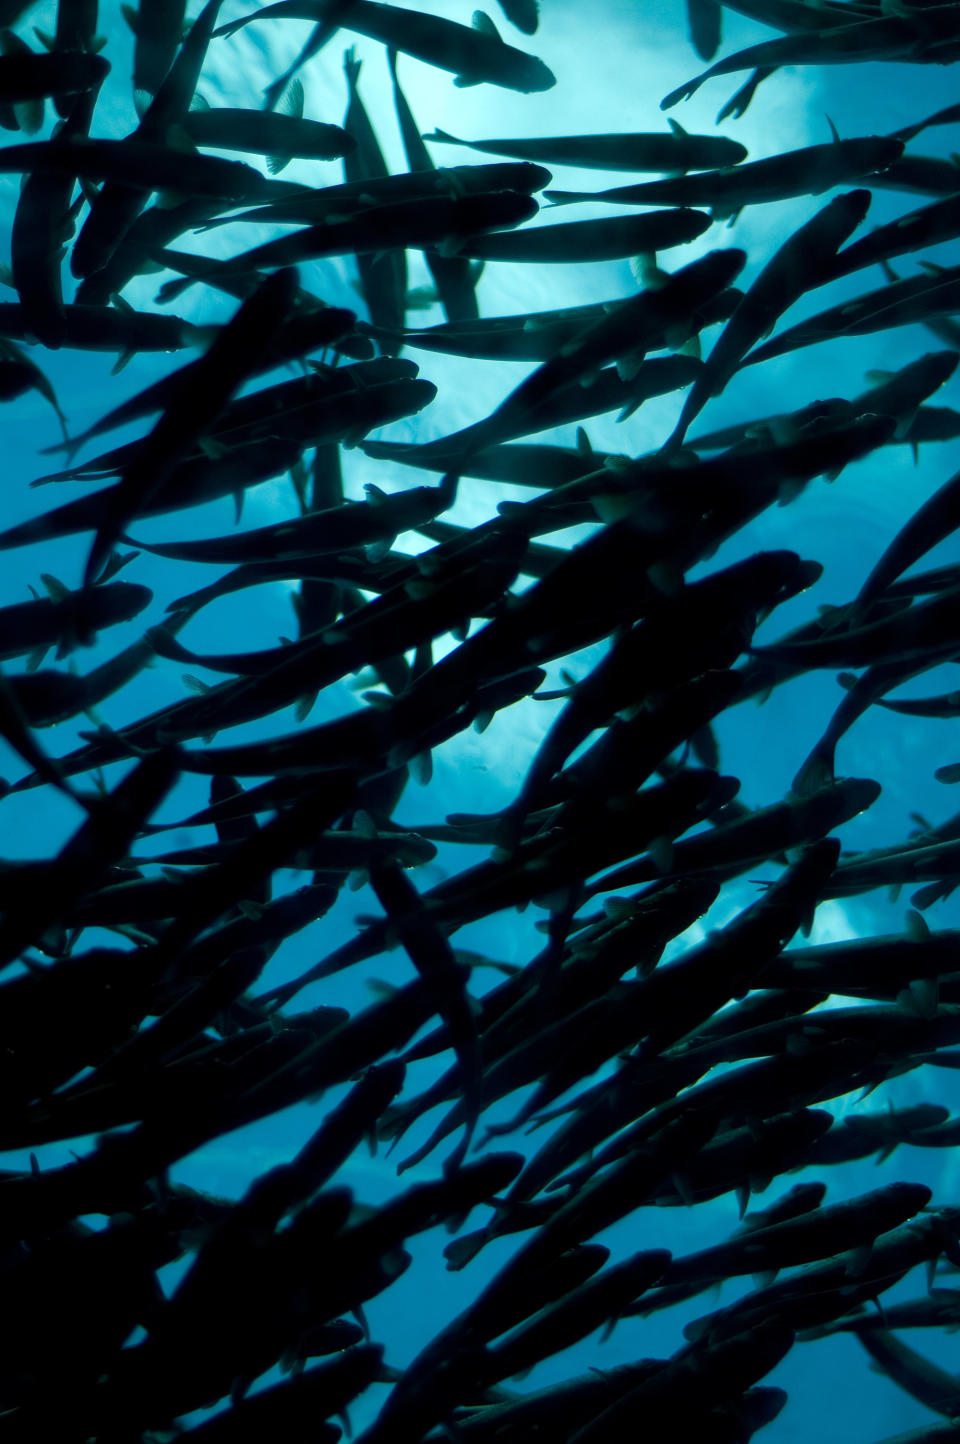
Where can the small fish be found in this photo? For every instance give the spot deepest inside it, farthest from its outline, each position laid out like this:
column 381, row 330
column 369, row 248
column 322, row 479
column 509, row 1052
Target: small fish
column 279, row 136
column 312, row 206
column 432, row 956
column 157, row 27
column 42, row 226
column 107, row 328
column 473, row 55
column 582, row 241
column 820, row 1233
column 454, row 277
column 766, row 832
column 914, row 1373
column 725, row 192
column 430, row 221
column 889, row 37
column 376, row 521
column 26, row 76
column 117, row 204
column 19, row 374
column 931, row 523
column 156, row 166
column 632, row 151
column 899, row 304
column 704, row 19
column 927, row 174
column 795, row 267
column 223, row 368
column 66, row 619
column 299, row 334
column 524, row 14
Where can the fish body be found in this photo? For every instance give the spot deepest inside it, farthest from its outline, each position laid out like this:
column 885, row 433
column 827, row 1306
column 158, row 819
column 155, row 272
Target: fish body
column 581, row 241
column 266, row 133
column 27, row 76
column 928, row 37
column 425, row 222
column 659, row 151
column 795, row 268
column 66, row 619
column 157, row 28
column 726, row 191
column 453, row 276
column 473, row 54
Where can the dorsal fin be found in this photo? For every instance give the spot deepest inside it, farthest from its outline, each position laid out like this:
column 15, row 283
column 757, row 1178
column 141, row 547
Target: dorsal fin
column 916, row 927
column 55, row 588
column 444, row 135
column 291, row 102
column 448, row 489
column 481, row 21
column 351, row 66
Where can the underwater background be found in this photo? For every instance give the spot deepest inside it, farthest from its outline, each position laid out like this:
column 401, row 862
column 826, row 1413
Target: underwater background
column 613, row 62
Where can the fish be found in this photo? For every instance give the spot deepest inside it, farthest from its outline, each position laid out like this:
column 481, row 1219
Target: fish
column 947, row 116
column 666, row 650
column 66, row 619
column 253, row 417
column 19, row 374
column 382, row 278
column 157, row 31
column 313, row 205
column 626, row 328
column 473, row 54
column 538, row 335
column 433, row 958
column 104, row 328
column 795, row 268
column 930, row 524
column 377, row 521
column 704, row 20
column 42, row 227
column 831, row 1229
column 300, row 334
column 84, row 859
column 524, row 14
column 924, row 173
column 915, row 1374
column 27, row 76
column 673, row 150
column 325, row 1389
column 888, row 37
column 903, row 637
column 693, row 1037
column 47, row 696
column 582, row 241
column 423, row 222
column 807, row 171
column 454, row 278
column 118, row 202
column 224, row 367
column 898, row 304
column 120, row 162
column 280, row 137
column 255, row 459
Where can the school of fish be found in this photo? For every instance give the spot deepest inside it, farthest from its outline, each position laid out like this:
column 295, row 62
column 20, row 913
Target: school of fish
column 666, row 1081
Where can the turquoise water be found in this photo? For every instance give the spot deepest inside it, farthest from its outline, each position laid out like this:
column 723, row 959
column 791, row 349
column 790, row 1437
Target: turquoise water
column 613, row 63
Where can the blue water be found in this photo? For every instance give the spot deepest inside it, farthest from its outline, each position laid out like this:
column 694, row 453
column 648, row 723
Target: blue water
column 613, row 62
